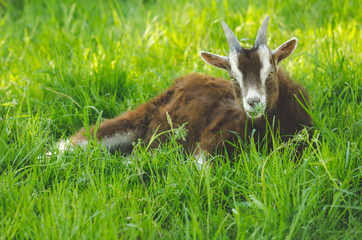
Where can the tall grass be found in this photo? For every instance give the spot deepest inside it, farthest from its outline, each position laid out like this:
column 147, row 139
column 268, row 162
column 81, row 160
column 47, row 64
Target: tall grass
column 65, row 64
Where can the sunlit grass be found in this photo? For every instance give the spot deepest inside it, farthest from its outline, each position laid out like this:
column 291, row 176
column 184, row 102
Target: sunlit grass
column 65, row 64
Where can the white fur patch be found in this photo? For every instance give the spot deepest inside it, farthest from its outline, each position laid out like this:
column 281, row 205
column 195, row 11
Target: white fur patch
column 119, row 140
column 63, row 145
column 67, row 145
column 200, row 159
column 60, row 147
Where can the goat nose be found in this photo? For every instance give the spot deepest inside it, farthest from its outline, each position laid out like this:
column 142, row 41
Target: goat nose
column 253, row 101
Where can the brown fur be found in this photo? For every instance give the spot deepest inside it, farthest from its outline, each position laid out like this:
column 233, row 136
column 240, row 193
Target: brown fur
column 213, row 116
column 214, row 108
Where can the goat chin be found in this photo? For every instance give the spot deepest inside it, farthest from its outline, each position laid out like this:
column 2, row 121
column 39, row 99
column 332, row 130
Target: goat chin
column 254, row 115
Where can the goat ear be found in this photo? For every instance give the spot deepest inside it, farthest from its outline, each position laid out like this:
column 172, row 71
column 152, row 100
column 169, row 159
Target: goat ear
column 216, row 60
column 285, row 50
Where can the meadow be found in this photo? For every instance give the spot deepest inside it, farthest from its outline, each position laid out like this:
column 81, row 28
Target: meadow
column 68, row 64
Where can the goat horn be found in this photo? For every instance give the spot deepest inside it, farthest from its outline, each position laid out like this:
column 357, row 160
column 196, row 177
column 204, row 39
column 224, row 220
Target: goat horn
column 262, row 33
column 233, row 41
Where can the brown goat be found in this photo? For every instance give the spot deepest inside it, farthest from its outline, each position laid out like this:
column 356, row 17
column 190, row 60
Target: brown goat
column 217, row 111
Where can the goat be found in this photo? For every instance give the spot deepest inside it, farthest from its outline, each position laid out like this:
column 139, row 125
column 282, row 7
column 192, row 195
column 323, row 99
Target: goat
column 216, row 111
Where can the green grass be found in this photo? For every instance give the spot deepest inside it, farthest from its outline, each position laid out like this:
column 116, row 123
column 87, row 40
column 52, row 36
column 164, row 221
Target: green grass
column 64, row 65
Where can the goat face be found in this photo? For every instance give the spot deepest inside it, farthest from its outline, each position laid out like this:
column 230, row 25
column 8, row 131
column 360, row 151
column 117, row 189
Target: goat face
column 253, row 71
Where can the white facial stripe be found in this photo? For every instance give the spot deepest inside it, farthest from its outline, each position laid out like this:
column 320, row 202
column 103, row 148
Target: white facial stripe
column 233, row 58
column 253, row 93
column 264, row 54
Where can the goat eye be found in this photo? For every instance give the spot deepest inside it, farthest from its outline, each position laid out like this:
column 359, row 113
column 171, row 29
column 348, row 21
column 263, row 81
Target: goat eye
column 271, row 73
